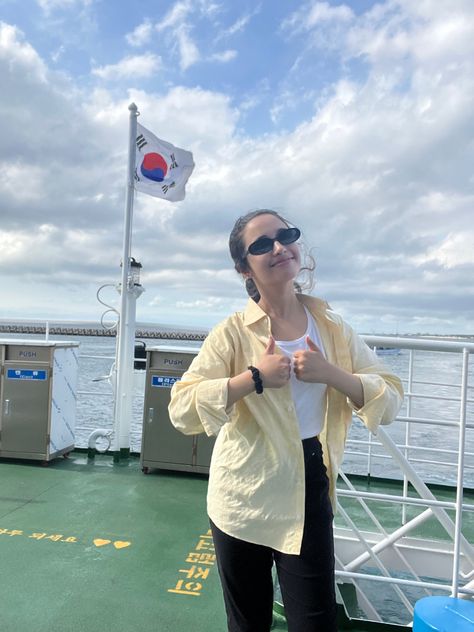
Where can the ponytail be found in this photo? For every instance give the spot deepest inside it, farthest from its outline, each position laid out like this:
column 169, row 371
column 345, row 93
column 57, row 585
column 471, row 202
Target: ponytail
column 252, row 290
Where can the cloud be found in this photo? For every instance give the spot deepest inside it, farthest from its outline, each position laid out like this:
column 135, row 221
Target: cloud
column 73, row 22
column 132, row 66
column 240, row 24
column 224, row 56
column 58, row 53
column 141, row 34
column 426, row 33
column 20, row 55
column 176, row 30
column 12, row 181
column 210, row 8
column 176, row 16
column 209, row 303
column 49, row 6
column 378, row 174
column 188, row 51
column 313, row 14
column 175, row 21
column 457, row 249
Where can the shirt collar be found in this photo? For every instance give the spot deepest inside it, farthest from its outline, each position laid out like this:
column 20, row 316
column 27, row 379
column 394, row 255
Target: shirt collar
column 253, row 312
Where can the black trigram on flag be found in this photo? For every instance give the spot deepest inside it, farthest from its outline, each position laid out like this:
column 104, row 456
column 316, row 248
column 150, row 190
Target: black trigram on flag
column 141, row 141
column 173, row 164
column 165, row 187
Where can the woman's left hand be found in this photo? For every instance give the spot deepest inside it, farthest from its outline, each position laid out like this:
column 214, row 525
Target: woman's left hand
column 310, row 365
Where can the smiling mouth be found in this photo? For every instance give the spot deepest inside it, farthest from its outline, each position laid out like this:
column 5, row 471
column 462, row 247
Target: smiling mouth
column 277, row 263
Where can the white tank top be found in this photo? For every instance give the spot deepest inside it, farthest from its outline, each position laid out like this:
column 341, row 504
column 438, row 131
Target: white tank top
column 309, row 398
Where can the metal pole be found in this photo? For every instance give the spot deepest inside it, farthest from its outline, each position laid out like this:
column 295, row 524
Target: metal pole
column 407, row 431
column 460, row 478
column 127, row 394
column 124, row 367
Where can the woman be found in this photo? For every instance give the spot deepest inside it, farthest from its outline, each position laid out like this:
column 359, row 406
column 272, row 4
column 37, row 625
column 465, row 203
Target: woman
column 278, row 384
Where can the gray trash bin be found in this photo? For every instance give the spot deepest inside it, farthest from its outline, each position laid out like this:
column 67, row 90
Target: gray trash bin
column 38, row 398
column 163, row 446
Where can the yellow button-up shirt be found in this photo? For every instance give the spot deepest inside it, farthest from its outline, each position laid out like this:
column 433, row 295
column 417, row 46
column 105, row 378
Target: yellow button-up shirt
column 256, row 486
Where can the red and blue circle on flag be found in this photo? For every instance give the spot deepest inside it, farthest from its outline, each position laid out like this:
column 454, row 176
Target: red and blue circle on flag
column 154, row 167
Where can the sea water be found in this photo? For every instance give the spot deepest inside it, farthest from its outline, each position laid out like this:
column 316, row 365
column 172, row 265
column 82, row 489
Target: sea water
column 95, row 409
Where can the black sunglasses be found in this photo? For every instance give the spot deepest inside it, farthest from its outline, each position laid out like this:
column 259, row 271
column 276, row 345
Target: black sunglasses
column 284, row 236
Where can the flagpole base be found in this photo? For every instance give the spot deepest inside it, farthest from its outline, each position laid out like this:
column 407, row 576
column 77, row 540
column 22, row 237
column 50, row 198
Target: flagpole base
column 121, row 455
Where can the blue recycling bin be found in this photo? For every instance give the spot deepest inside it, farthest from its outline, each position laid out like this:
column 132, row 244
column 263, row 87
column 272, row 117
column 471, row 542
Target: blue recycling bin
column 443, row 614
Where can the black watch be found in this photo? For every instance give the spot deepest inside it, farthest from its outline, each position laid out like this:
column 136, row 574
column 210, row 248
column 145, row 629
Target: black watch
column 257, row 379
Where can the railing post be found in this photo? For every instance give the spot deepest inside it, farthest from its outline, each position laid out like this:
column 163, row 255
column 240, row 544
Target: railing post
column 408, row 430
column 460, row 477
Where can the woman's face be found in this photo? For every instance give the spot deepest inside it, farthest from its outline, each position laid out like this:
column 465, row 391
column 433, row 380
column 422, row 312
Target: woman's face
column 278, row 266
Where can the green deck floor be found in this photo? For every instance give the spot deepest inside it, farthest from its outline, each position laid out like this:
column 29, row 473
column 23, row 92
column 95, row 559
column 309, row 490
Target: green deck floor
column 132, row 534
column 92, row 546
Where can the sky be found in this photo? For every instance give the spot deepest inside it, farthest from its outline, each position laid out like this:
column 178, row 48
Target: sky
column 354, row 120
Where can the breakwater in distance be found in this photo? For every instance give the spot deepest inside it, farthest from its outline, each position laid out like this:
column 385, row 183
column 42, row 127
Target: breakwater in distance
column 95, row 329
column 152, row 330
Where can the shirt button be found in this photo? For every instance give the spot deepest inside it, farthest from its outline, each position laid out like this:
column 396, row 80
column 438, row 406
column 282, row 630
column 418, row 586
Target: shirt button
column 290, row 408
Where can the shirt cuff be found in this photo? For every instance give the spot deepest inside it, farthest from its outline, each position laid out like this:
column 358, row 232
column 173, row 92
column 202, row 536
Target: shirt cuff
column 211, row 404
column 374, row 407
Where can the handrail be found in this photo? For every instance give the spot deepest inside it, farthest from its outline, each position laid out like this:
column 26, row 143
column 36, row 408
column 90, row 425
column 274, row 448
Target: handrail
column 403, row 582
column 405, row 453
column 420, row 344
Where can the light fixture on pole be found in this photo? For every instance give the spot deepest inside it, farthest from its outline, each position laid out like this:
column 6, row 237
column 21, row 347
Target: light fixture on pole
column 135, row 267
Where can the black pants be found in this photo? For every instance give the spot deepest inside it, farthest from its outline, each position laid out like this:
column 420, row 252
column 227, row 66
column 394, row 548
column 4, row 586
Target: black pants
column 306, row 580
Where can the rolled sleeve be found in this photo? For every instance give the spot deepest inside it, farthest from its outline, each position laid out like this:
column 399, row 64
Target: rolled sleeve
column 383, row 391
column 198, row 401
column 211, row 405
column 383, row 396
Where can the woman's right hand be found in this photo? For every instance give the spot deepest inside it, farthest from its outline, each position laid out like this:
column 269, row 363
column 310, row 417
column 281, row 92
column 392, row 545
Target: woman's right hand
column 275, row 368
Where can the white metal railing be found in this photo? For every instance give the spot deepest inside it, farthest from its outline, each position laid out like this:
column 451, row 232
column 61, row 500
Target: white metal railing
column 406, row 454
column 106, row 378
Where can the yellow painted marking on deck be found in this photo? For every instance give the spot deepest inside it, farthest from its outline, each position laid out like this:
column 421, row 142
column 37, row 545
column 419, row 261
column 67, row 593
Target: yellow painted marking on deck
column 121, row 545
column 58, row 537
column 207, row 558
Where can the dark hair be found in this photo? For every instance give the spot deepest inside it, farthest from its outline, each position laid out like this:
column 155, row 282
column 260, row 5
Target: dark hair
column 239, row 256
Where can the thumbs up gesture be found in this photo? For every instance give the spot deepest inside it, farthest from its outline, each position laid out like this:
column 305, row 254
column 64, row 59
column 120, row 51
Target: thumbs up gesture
column 270, row 348
column 310, row 365
column 275, row 368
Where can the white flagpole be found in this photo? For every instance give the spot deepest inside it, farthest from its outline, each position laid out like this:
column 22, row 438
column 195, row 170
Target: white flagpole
column 125, row 343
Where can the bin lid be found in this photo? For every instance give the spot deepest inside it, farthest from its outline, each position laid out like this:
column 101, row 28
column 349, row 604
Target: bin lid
column 443, row 614
column 37, row 343
column 174, row 349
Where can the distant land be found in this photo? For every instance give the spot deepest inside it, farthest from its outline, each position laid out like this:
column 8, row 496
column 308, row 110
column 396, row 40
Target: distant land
column 428, row 336
column 95, row 328
column 154, row 330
